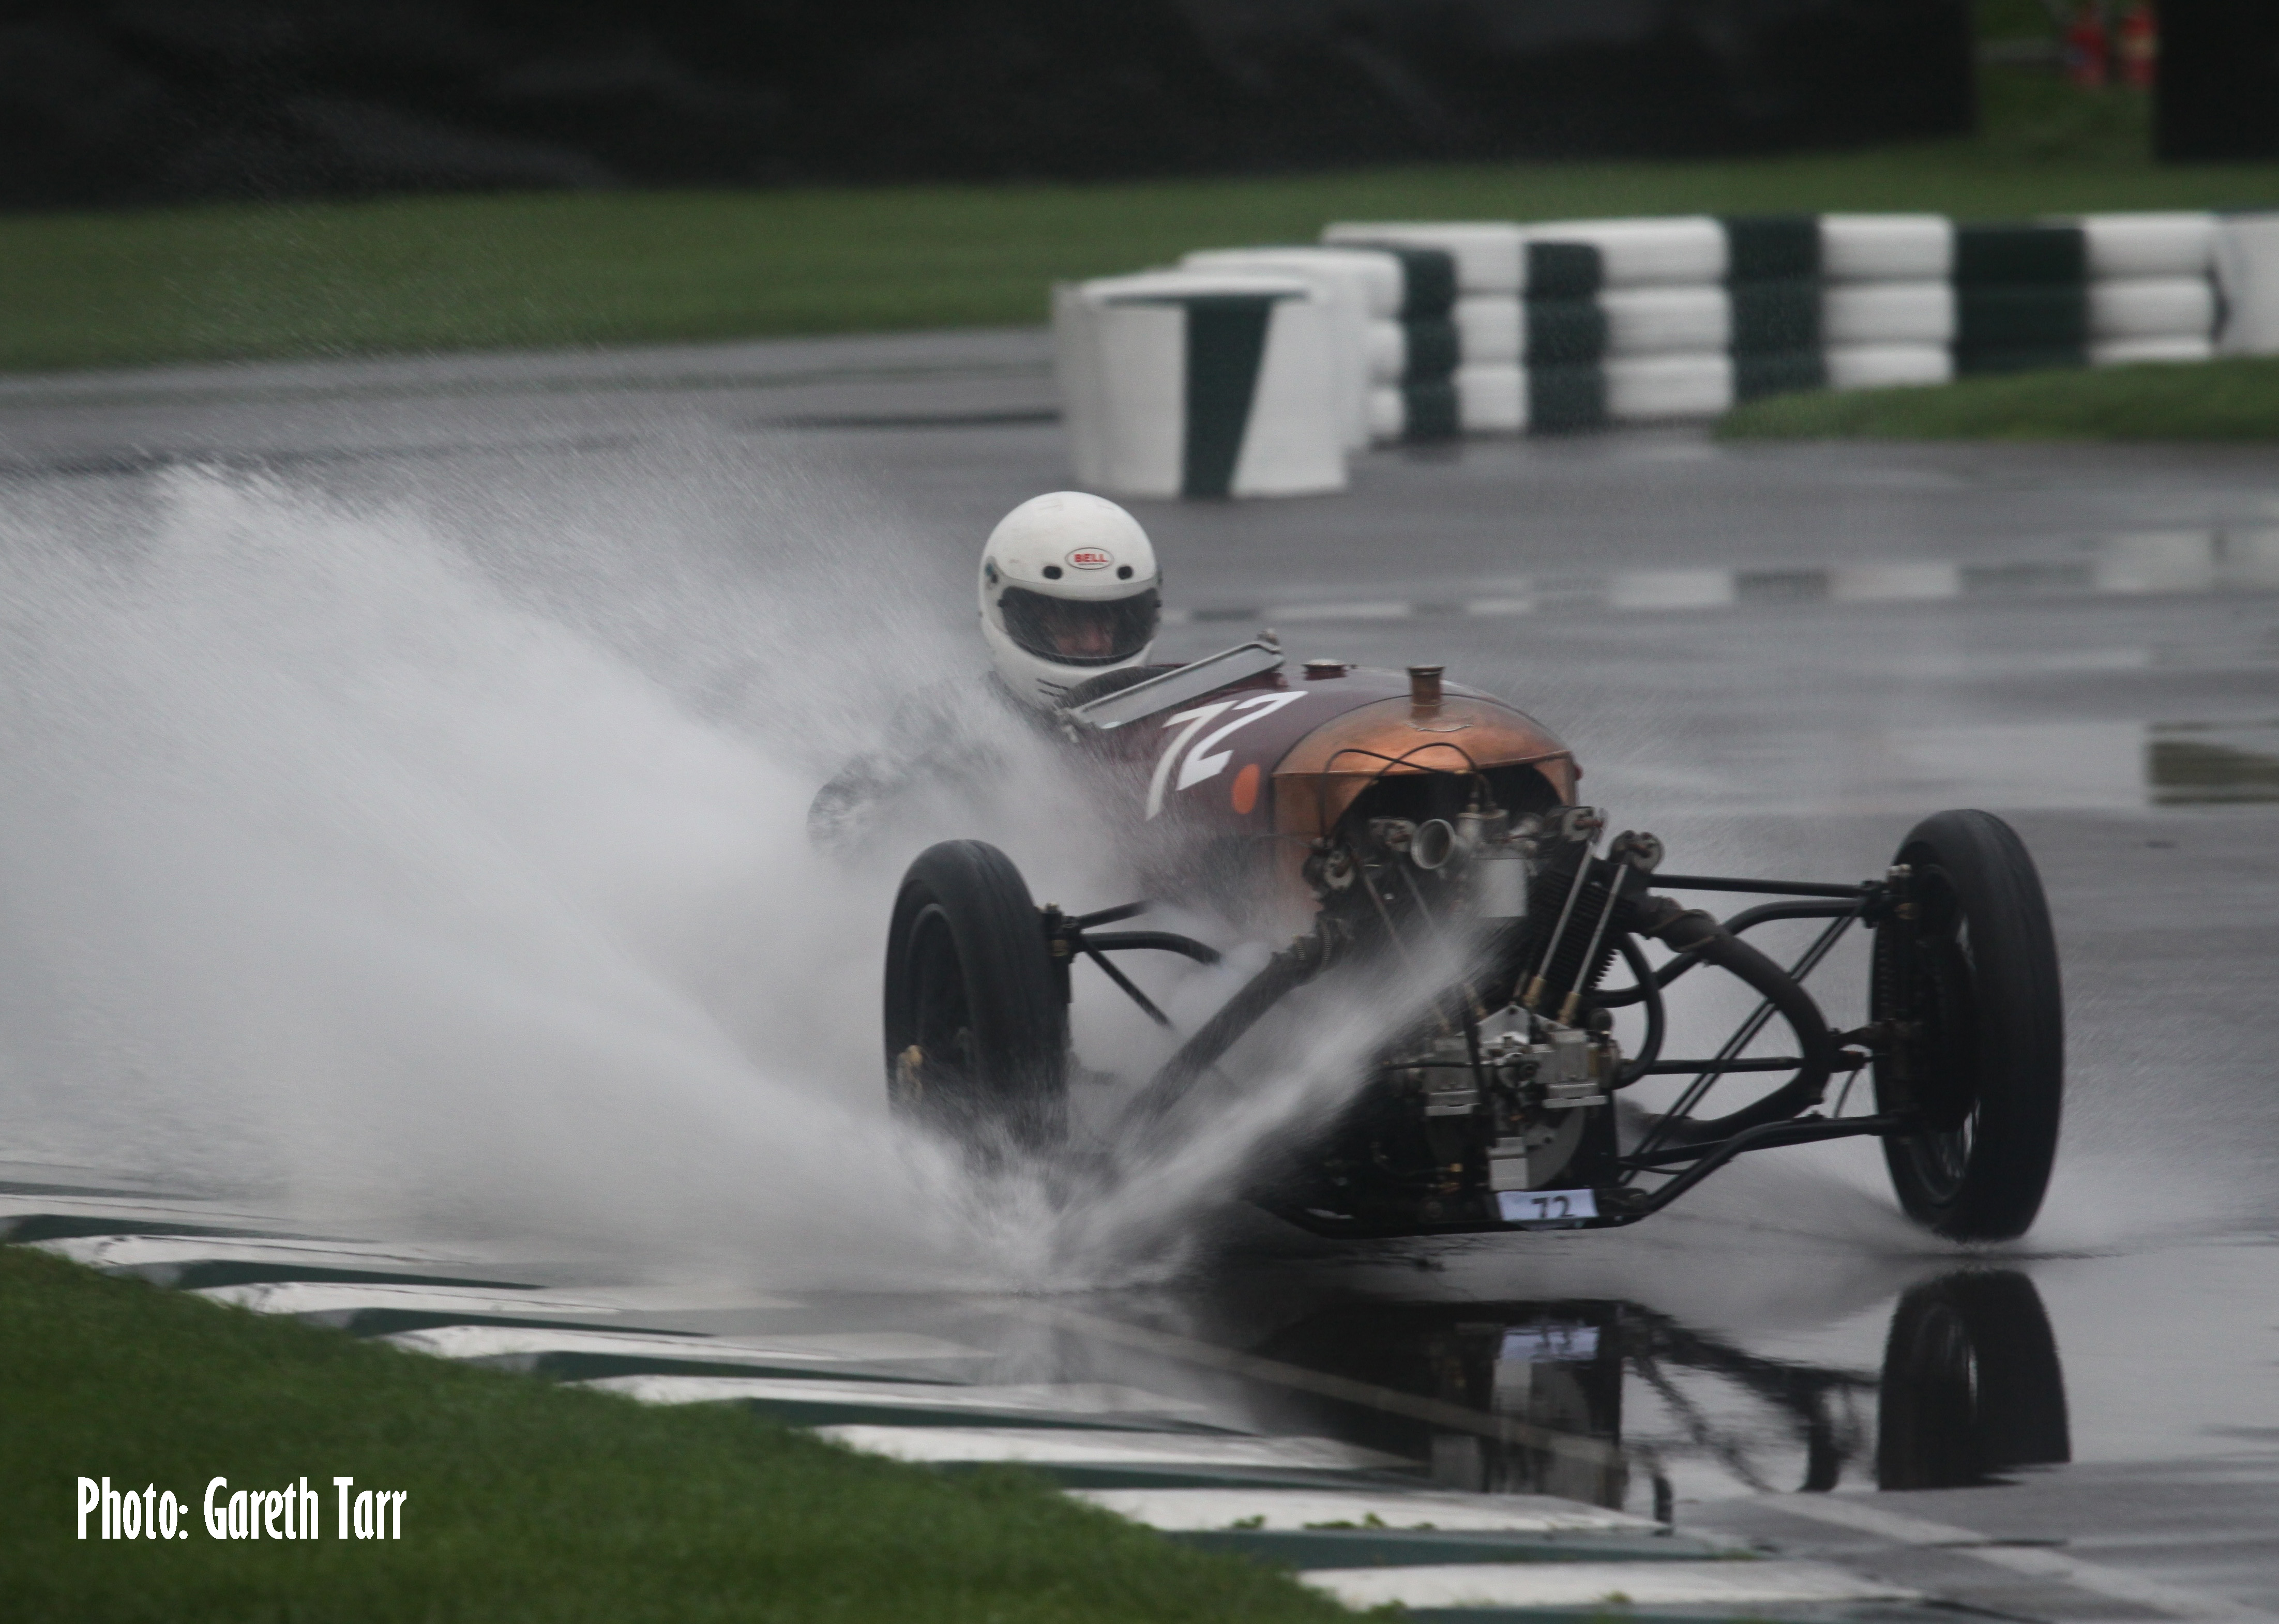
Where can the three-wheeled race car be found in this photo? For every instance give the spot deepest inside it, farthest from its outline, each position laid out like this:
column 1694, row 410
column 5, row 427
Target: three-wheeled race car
column 1406, row 821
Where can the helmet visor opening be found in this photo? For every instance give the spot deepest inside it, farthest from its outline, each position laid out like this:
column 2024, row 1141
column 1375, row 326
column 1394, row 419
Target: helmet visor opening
column 1069, row 631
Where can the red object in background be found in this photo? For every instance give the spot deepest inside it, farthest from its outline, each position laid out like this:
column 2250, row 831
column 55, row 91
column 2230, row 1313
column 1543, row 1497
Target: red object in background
column 2085, row 52
column 2139, row 46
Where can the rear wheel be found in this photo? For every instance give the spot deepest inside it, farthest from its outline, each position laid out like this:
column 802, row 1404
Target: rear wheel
column 976, row 1027
column 1966, row 981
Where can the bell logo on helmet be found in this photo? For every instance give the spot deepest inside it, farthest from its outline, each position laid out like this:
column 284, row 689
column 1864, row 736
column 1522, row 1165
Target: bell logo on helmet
column 1091, row 558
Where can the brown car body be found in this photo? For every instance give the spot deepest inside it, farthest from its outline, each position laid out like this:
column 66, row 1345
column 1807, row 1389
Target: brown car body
column 1284, row 757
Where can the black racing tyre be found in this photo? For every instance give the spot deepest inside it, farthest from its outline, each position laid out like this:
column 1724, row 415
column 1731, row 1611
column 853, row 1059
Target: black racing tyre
column 975, row 1025
column 1966, row 977
column 1972, row 1384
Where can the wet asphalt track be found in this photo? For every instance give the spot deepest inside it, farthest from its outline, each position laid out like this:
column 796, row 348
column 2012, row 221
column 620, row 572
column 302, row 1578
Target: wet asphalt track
column 1776, row 657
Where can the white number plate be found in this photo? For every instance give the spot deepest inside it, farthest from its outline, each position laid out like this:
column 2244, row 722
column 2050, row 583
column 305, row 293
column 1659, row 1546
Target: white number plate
column 1546, row 1205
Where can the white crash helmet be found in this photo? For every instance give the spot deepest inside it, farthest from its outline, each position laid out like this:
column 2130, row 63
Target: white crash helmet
column 1070, row 588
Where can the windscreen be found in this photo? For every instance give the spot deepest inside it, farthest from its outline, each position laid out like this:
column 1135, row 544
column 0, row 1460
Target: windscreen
column 1159, row 695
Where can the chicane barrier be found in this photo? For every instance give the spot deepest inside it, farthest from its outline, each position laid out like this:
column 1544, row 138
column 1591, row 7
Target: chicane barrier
column 1432, row 329
column 1181, row 383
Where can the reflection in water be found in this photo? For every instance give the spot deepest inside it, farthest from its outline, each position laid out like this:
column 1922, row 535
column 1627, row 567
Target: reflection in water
column 1971, row 1385
column 1615, row 1403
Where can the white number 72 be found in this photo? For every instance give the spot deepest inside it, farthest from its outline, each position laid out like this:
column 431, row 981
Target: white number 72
column 1200, row 763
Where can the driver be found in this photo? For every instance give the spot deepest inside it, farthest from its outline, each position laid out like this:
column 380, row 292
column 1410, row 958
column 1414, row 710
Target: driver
column 1070, row 593
column 1069, row 597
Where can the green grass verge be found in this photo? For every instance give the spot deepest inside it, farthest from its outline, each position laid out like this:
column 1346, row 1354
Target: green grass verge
column 2235, row 399
column 528, row 1502
column 429, row 274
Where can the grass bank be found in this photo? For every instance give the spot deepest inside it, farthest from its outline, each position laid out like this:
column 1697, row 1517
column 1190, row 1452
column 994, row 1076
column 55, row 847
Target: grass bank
column 474, row 273
column 528, row 1502
column 2236, row 399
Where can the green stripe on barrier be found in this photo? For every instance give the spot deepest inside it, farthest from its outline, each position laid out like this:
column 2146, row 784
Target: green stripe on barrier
column 1563, row 331
column 1434, row 412
column 1565, row 269
column 1226, row 341
column 2018, row 358
column 1434, row 349
column 1776, row 315
column 1427, row 278
column 1759, row 374
column 1768, row 246
column 1561, row 399
column 2020, row 317
column 2020, row 254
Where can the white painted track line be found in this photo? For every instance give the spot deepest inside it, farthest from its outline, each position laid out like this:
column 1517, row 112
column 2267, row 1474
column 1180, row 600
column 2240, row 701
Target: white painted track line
column 1194, row 1510
column 156, row 1210
column 326, row 1297
column 1015, row 1445
column 846, row 1348
column 1072, row 1398
column 1585, row 1584
column 143, row 1251
column 2036, row 1561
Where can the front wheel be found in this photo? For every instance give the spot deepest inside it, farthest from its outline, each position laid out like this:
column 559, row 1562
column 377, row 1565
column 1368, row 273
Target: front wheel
column 1965, row 987
column 976, row 1026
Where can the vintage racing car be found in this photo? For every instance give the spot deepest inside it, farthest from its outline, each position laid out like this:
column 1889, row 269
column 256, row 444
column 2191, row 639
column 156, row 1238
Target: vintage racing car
column 1402, row 821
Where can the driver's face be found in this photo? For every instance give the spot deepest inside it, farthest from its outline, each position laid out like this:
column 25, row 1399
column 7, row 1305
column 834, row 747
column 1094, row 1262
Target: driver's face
column 1078, row 631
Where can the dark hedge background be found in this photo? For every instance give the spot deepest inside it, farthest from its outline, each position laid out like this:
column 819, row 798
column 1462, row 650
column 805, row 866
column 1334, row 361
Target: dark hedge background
column 2219, row 80
column 148, row 101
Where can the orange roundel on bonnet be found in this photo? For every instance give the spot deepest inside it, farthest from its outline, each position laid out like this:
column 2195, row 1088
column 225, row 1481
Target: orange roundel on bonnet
column 1246, row 790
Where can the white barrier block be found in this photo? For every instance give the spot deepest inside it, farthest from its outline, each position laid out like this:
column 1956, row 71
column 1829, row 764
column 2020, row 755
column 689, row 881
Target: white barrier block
column 1883, row 366
column 1489, row 254
column 1355, row 285
column 1489, row 328
column 1122, row 381
column 1886, row 247
column 1388, row 413
column 1076, row 375
column 1492, row 397
column 1385, row 352
column 2129, row 352
column 1295, row 442
column 1123, row 345
column 1661, row 388
column 2151, row 307
column 1887, row 313
column 2247, row 270
column 2149, row 244
column 1376, row 274
column 1650, row 321
column 1671, row 249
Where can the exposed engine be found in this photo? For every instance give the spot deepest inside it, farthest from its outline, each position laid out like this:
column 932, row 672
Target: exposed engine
column 1507, row 1085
